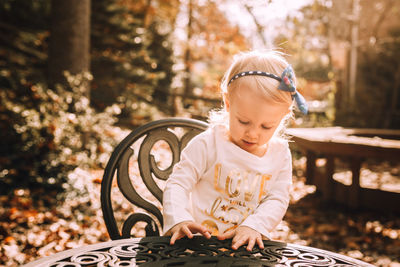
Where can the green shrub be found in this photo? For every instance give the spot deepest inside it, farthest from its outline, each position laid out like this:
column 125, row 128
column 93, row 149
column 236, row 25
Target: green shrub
column 47, row 133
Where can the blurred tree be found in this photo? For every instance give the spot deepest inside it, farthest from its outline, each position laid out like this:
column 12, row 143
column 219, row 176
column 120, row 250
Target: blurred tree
column 344, row 41
column 131, row 55
column 22, row 60
column 306, row 39
column 23, row 46
column 188, row 90
column 204, row 56
column 41, row 128
column 260, row 27
column 132, row 60
column 378, row 96
column 69, row 40
column 376, row 85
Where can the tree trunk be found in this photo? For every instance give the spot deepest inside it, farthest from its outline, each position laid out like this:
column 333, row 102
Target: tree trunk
column 188, row 69
column 260, row 28
column 69, row 39
column 353, row 52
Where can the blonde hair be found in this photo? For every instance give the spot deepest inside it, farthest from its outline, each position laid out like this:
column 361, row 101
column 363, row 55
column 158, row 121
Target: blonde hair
column 271, row 61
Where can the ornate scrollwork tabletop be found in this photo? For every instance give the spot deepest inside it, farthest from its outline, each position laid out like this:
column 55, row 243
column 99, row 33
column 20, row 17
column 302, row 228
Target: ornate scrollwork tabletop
column 156, row 251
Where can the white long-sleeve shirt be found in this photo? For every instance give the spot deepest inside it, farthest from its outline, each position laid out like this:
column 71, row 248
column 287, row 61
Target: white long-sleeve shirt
column 220, row 185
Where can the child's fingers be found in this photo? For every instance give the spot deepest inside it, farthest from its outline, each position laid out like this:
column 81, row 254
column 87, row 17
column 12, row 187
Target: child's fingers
column 260, row 242
column 198, row 228
column 226, row 235
column 251, row 243
column 202, row 229
column 186, row 231
column 174, row 237
column 207, row 234
column 238, row 242
column 179, row 233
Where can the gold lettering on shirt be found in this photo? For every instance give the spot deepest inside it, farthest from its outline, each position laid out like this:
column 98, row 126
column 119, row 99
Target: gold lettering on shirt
column 241, row 182
column 229, row 189
column 250, row 189
column 217, row 176
column 263, row 191
column 214, row 207
column 211, row 226
column 231, row 228
column 227, row 214
column 238, row 190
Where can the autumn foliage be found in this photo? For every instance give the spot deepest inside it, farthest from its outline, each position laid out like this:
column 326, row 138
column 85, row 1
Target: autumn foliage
column 156, row 58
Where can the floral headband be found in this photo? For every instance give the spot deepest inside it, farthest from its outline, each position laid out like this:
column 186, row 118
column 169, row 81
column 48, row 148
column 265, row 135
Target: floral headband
column 286, row 84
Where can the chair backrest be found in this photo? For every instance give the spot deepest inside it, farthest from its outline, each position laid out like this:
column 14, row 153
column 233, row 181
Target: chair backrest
column 127, row 166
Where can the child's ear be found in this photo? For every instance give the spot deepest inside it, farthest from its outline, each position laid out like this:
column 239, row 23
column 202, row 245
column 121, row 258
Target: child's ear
column 226, row 101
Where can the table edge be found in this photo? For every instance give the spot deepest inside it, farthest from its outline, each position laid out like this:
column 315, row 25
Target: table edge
column 70, row 252
column 82, row 249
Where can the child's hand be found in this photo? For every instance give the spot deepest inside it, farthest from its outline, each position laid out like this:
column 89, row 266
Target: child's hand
column 188, row 228
column 243, row 235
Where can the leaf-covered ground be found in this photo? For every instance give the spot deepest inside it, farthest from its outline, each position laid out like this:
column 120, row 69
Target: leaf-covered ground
column 35, row 224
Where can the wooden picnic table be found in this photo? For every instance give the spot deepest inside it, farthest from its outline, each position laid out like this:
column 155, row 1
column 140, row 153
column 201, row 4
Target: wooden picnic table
column 355, row 146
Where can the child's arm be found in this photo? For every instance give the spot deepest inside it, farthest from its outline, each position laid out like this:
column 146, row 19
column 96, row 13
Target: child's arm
column 177, row 205
column 187, row 228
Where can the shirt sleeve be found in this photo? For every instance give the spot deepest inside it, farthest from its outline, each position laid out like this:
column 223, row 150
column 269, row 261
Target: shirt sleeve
column 273, row 207
column 177, row 205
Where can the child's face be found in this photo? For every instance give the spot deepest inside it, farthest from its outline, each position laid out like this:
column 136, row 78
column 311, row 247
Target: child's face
column 253, row 119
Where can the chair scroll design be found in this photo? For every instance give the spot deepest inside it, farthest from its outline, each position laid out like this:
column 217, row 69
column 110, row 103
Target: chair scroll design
column 118, row 164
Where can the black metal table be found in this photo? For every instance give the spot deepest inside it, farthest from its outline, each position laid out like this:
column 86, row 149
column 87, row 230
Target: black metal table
column 156, row 251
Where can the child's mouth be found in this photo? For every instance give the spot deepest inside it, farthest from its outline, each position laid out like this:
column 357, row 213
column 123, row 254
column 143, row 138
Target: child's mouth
column 248, row 143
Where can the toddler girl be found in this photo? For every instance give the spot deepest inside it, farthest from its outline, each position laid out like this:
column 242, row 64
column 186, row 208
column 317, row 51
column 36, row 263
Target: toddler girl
column 233, row 180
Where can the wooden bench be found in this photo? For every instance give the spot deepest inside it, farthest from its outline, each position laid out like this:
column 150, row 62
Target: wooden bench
column 355, row 146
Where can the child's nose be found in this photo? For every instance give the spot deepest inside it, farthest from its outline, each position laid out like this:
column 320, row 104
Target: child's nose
column 252, row 132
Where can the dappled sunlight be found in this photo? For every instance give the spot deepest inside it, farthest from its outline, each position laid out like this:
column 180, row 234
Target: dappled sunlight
column 65, row 107
column 44, row 226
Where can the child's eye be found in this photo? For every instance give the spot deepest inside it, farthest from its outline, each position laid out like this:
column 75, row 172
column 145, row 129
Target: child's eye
column 244, row 122
column 265, row 127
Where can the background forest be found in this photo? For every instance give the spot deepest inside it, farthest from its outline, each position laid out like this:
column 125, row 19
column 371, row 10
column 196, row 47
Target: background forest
column 76, row 75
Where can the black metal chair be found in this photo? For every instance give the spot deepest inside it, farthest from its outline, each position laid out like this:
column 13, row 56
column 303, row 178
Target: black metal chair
column 176, row 132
